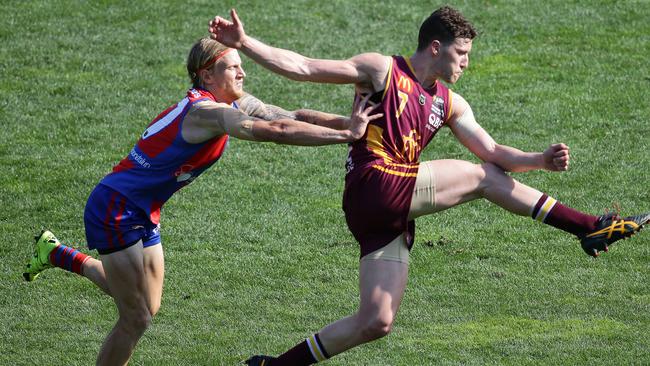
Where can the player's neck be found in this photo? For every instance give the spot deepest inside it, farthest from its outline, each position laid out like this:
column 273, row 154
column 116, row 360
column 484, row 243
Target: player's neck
column 422, row 69
column 219, row 95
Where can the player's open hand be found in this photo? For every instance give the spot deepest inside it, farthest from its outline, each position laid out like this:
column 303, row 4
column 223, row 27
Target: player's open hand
column 361, row 116
column 556, row 157
column 229, row 33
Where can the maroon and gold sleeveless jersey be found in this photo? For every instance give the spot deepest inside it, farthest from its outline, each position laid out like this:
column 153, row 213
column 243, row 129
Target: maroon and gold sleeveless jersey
column 383, row 165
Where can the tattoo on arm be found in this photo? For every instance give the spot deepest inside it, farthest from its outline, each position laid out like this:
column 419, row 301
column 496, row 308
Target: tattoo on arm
column 256, row 108
column 330, row 120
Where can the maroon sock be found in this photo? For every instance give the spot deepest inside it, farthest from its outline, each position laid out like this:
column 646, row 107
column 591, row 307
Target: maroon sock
column 307, row 352
column 552, row 212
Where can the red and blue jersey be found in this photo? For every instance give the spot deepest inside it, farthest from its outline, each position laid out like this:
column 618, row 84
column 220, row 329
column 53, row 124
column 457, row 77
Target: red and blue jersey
column 162, row 162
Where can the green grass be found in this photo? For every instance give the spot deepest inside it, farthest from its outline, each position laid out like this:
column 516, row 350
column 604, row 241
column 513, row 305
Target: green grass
column 257, row 252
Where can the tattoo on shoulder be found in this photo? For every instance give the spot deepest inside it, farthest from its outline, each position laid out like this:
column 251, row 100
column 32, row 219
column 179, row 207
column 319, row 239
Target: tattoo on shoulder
column 256, row 108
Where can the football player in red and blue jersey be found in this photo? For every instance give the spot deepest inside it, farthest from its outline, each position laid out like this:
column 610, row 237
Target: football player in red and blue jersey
column 387, row 187
column 122, row 214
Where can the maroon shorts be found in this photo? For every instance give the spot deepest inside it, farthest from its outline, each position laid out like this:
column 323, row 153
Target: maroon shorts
column 376, row 206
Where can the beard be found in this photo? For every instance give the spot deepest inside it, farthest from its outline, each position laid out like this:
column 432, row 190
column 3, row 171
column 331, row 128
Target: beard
column 230, row 95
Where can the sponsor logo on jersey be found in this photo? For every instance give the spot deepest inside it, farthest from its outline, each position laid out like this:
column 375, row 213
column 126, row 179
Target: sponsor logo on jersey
column 436, row 117
column 435, row 121
column 404, row 84
column 422, row 99
column 185, row 174
column 139, row 159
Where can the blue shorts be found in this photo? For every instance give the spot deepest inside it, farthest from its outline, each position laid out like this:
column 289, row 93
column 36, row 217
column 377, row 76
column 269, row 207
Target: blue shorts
column 114, row 223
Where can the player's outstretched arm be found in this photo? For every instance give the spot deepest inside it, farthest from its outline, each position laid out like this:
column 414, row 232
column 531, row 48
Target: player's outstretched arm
column 301, row 133
column 254, row 107
column 480, row 143
column 324, row 119
column 214, row 119
column 367, row 69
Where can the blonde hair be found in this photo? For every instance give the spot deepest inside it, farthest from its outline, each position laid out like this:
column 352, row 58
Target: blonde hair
column 202, row 53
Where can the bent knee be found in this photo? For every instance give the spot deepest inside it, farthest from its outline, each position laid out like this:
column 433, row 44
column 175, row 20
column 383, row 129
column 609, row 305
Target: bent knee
column 489, row 173
column 476, row 173
column 136, row 321
column 377, row 328
column 491, row 168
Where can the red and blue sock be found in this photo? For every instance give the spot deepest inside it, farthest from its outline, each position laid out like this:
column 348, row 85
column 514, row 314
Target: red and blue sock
column 68, row 258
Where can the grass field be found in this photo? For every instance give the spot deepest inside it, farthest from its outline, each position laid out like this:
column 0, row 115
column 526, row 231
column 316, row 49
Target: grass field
column 258, row 256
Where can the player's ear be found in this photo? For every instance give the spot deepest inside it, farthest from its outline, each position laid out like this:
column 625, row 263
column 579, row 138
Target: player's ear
column 435, row 47
column 206, row 76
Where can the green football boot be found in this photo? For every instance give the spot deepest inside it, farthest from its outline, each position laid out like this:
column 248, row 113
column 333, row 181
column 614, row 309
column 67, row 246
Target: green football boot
column 611, row 228
column 40, row 261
